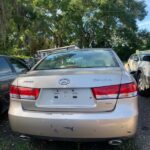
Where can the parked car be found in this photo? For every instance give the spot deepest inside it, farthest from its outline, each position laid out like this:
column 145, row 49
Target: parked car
column 76, row 94
column 10, row 68
column 139, row 65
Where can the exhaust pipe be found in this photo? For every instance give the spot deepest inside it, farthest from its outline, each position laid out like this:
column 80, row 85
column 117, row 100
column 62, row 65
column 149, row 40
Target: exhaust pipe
column 116, row 142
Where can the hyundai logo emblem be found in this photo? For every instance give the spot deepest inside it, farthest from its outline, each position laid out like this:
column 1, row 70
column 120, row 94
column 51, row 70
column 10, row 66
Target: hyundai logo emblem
column 64, row 81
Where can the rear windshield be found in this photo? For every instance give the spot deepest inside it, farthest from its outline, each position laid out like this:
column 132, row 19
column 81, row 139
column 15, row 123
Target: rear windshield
column 78, row 59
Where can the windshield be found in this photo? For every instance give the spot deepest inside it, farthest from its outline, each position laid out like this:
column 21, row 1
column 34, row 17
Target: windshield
column 78, row 59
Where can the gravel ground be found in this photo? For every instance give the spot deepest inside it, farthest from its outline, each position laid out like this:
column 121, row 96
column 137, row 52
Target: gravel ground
column 13, row 141
column 143, row 135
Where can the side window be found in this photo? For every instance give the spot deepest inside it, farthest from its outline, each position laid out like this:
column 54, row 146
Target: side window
column 4, row 67
column 146, row 58
column 18, row 66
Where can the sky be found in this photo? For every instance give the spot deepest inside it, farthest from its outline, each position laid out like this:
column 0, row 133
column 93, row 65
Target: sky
column 145, row 24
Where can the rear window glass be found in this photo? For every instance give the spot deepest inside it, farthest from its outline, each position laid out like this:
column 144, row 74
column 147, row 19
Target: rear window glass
column 78, row 59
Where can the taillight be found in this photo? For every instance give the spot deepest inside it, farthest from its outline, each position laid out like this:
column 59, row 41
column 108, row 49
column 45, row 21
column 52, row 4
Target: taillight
column 106, row 92
column 14, row 93
column 24, row 93
column 115, row 91
column 128, row 90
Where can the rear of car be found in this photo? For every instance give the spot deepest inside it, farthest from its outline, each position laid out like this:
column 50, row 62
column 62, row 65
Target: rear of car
column 78, row 94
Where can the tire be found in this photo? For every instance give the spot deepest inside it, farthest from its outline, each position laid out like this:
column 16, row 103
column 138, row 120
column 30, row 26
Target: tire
column 4, row 104
column 143, row 91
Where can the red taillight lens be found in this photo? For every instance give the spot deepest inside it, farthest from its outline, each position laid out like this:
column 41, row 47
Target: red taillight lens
column 106, row 92
column 28, row 93
column 128, row 90
column 115, row 91
column 24, row 93
column 14, row 93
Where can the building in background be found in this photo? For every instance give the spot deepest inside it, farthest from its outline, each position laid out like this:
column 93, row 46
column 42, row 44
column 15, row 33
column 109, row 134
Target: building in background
column 46, row 52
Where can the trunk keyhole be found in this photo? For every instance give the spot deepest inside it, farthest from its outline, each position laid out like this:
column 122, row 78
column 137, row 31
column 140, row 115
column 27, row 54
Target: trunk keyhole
column 74, row 96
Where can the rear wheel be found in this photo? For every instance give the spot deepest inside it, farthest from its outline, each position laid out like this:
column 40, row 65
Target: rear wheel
column 143, row 90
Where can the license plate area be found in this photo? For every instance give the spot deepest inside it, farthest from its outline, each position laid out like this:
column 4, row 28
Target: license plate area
column 65, row 98
column 70, row 94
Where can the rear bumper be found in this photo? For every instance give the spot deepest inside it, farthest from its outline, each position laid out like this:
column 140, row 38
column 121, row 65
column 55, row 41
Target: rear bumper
column 122, row 122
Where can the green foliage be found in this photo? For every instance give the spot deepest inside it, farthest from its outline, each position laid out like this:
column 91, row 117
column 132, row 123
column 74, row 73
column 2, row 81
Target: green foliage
column 30, row 25
column 144, row 38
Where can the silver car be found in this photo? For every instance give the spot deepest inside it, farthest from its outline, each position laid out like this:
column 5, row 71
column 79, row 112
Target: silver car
column 77, row 94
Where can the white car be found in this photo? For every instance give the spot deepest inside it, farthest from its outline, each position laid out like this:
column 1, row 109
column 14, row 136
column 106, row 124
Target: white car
column 139, row 65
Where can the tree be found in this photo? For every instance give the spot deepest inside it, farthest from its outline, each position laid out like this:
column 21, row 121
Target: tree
column 38, row 24
column 144, row 37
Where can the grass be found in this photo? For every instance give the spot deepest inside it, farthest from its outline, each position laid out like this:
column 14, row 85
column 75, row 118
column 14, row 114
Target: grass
column 7, row 144
column 128, row 145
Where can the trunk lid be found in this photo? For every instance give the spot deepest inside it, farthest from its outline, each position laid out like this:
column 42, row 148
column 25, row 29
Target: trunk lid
column 70, row 89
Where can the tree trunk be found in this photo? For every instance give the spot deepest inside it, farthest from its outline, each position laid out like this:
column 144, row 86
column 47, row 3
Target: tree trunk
column 2, row 24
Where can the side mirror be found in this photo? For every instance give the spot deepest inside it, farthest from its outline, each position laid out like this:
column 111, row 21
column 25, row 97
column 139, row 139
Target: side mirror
column 146, row 58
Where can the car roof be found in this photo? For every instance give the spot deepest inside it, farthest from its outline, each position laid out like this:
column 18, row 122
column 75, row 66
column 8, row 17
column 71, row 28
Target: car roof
column 6, row 56
column 142, row 54
column 77, row 50
column 19, row 59
column 90, row 49
column 145, row 52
